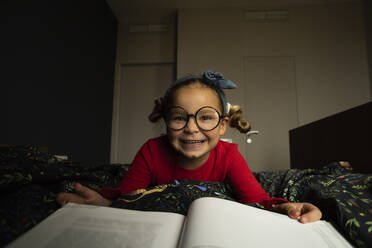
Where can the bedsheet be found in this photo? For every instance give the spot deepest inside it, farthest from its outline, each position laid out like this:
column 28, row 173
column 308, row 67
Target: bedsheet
column 30, row 181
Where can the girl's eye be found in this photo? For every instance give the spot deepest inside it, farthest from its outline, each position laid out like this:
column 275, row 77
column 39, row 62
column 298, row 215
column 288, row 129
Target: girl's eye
column 178, row 118
column 206, row 117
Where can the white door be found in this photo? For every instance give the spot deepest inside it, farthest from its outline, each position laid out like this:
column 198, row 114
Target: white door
column 138, row 87
column 271, row 107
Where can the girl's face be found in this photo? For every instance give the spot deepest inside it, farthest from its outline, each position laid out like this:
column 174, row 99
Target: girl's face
column 193, row 144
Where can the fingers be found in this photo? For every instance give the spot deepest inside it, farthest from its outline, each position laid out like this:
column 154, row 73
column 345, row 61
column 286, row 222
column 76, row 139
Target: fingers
column 79, row 189
column 64, row 198
column 304, row 212
column 291, row 209
column 83, row 191
column 310, row 213
column 89, row 196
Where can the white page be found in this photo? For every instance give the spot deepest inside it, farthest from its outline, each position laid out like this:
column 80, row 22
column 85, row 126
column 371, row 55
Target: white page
column 332, row 237
column 90, row 226
column 218, row 223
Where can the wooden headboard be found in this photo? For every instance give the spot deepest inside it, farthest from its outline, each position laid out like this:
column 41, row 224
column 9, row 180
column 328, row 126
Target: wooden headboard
column 345, row 136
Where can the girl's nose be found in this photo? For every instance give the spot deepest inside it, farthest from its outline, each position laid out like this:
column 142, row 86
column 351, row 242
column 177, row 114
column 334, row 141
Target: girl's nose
column 192, row 126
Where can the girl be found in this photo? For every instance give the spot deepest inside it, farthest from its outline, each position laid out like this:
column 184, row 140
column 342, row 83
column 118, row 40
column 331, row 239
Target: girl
column 196, row 113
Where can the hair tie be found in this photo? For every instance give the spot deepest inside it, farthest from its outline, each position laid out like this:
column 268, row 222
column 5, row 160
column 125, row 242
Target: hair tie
column 249, row 140
column 228, row 106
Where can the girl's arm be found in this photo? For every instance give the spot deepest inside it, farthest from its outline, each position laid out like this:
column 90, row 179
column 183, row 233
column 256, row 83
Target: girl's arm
column 248, row 190
column 245, row 186
column 138, row 176
column 83, row 195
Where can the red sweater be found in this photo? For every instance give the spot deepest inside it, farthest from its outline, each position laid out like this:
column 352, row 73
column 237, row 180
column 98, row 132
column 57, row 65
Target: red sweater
column 154, row 165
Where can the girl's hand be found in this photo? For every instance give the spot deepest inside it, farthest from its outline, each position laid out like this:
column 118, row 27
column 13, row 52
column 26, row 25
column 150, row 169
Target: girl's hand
column 83, row 195
column 305, row 212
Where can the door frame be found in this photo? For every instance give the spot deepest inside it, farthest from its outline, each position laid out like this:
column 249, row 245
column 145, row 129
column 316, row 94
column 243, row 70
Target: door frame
column 117, row 100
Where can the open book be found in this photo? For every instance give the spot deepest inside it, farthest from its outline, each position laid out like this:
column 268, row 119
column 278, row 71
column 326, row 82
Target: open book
column 210, row 223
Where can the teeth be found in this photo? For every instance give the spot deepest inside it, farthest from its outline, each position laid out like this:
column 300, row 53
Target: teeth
column 192, row 141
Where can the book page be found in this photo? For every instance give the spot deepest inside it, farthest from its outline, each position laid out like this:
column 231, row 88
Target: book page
column 78, row 225
column 329, row 234
column 218, row 223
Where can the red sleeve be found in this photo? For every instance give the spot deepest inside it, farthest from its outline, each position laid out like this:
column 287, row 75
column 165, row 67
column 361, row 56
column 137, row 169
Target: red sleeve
column 245, row 185
column 138, row 176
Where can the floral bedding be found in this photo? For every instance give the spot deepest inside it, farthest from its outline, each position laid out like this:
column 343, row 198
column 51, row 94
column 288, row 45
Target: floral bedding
column 30, row 181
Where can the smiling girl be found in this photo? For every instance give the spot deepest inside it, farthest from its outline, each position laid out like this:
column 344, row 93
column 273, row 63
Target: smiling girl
column 196, row 113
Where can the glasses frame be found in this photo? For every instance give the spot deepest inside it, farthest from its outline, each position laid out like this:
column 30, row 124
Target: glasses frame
column 193, row 115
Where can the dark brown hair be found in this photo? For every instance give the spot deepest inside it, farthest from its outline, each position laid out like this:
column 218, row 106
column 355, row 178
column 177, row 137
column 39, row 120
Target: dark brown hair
column 162, row 103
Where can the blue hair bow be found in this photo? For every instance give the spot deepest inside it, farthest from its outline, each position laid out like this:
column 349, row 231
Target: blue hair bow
column 216, row 79
column 211, row 78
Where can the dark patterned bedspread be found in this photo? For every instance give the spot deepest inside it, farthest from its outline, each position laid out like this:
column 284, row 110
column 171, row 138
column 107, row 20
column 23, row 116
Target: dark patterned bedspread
column 30, row 180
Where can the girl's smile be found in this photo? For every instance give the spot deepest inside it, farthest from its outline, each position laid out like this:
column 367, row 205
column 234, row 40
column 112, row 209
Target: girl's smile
column 192, row 144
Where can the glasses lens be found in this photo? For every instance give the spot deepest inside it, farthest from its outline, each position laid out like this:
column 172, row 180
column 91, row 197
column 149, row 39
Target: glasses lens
column 207, row 118
column 176, row 118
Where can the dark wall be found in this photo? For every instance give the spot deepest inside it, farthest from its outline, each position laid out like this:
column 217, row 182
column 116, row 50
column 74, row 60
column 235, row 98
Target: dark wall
column 57, row 76
column 368, row 21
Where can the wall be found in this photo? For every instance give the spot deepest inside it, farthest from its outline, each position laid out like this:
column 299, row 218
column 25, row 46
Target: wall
column 146, row 47
column 148, row 53
column 327, row 42
column 57, row 62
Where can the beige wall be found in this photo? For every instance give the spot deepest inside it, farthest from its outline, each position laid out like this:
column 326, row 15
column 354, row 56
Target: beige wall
column 148, row 47
column 327, row 42
column 149, row 50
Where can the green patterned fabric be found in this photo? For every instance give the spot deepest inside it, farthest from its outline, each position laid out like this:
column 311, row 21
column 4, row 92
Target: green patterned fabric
column 344, row 197
column 30, row 181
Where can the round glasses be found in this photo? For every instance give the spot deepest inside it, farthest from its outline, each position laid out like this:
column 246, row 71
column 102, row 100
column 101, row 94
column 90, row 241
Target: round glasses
column 206, row 118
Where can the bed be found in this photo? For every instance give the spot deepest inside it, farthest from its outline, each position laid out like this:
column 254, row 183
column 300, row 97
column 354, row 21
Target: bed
column 30, row 178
